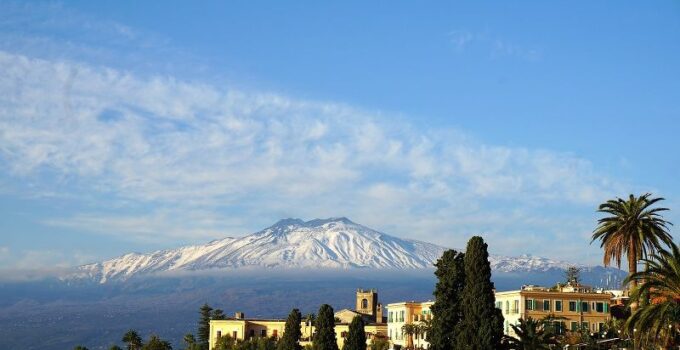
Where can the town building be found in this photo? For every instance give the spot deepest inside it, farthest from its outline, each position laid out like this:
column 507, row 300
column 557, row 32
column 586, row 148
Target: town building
column 367, row 306
column 403, row 313
column 572, row 307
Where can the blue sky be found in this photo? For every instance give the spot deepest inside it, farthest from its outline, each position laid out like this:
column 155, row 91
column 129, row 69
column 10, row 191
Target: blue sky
column 128, row 126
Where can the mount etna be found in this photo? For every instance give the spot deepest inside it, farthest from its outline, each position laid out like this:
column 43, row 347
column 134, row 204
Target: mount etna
column 293, row 263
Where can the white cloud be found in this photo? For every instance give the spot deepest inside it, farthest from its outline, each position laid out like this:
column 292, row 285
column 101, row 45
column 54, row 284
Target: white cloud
column 200, row 155
column 496, row 47
column 461, row 38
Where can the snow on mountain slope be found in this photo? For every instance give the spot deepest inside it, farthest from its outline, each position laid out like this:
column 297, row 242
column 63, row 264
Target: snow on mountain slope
column 293, row 243
column 290, row 243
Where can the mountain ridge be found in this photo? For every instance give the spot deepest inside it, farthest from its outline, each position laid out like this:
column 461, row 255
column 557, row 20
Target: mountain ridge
column 333, row 243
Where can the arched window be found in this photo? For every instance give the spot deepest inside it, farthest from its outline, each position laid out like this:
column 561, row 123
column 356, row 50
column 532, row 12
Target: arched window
column 364, row 303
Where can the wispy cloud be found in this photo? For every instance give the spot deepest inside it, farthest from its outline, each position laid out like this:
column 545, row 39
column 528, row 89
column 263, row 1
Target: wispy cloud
column 195, row 155
column 494, row 47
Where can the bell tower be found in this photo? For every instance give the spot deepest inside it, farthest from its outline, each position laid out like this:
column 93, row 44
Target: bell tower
column 367, row 302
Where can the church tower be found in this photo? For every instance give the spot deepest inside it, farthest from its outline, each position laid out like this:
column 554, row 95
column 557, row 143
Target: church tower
column 367, row 302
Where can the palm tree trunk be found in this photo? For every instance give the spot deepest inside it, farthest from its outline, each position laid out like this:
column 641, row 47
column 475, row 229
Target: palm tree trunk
column 632, row 263
column 632, row 268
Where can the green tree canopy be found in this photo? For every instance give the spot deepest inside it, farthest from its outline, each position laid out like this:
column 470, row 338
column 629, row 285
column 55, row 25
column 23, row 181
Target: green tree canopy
column 658, row 294
column 356, row 337
column 531, row 334
column 324, row 338
column 156, row 343
column 482, row 325
column 290, row 340
column 218, row 314
column 132, row 339
column 224, row 343
column 115, row 347
column 632, row 227
column 204, row 326
column 380, row 344
column 446, row 310
column 190, row 342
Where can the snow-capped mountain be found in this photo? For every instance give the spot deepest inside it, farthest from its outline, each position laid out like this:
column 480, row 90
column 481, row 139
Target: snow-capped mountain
column 292, row 243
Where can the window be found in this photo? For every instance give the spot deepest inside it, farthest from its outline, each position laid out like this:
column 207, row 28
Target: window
column 219, row 334
column 606, row 307
column 499, row 305
column 572, row 306
column 600, row 327
column 401, row 316
column 599, row 307
column 515, row 309
column 574, row 326
column 415, row 317
column 558, row 305
column 530, row 304
column 234, row 334
column 389, row 317
column 364, row 303
column 507, row 306
column 584, row 306
column 275, row 333
column 584, row 326
column 263, row 332
column 252, row 333
column 546, row 305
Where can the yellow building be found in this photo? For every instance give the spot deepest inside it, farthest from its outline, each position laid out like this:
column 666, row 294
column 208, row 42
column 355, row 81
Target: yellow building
column 400, row 314
column 241, row 328
column 581, row 307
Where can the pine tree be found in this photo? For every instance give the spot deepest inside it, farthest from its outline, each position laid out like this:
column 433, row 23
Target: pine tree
column 324, row 339
column 356, row 337
column 573, row 275
column 132, row 339
column 115, row 347
column 290, row 340
column 204, row 326
column 482, row 325
column 446, row 310
column 218, row 314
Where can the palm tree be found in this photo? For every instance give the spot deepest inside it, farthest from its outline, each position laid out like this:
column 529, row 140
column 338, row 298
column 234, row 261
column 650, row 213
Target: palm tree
column 190, row 341
column 633, row 228
column 133, row 340
column 659, row 292
column 531, row 335
column 409, row 330
column 419, row 330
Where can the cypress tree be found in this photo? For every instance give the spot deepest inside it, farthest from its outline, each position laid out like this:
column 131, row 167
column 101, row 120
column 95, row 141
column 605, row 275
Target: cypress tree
column 292, row 333
column 446, row 310
column 204, row 326
column 356, row 338
column 482, row 325
column 324, row 338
